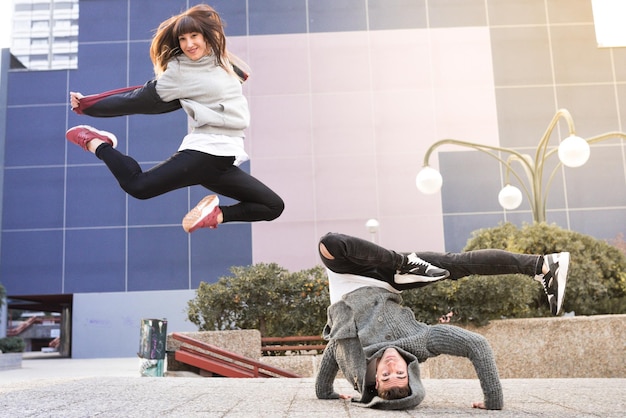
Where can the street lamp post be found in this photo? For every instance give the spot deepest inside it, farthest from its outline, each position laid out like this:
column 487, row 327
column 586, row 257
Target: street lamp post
column 372, row 227
column 573, row 151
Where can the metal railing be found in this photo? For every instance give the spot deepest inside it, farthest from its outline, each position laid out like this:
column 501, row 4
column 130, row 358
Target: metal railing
column 221, row 362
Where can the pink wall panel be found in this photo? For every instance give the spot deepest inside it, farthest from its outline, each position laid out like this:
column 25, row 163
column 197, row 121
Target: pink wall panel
column 343, row 123
column 404, row 121
column 342, row 134
column 291, row 245
column 294, row 180
column 400, row 60
column 281, row 126
column 345, row 187
column 280, row 64
column 340, row 62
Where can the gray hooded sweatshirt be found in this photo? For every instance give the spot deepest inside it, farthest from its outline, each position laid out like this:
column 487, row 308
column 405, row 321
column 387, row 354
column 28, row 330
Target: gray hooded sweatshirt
column 369, row 320
column 212, row 97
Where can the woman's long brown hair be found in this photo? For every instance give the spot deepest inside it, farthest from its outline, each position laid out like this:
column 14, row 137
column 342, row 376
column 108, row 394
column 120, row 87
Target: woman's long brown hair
column 202, row 19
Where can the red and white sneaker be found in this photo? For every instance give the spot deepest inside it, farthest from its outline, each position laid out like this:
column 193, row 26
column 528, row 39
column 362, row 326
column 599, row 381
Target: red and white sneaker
column 204, row 215
column 81, row 135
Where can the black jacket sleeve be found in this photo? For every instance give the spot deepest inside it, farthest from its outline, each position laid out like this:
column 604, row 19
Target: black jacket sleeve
column 126, row 101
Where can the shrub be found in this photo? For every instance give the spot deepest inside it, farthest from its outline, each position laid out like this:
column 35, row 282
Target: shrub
column 12, row 345
column 265, row 297
column 596, row 280
column 279, row 303
column 619, row 243
column 475, row 299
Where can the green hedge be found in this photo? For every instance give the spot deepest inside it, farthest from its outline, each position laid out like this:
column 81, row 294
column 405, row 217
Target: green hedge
column 476, row 299
column 279, row 303
column 12, row 345
column 266, row 297
column 597, row 273
column 596, row 280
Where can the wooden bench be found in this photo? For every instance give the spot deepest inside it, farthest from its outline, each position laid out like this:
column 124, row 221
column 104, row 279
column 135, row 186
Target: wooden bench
column 297, row 343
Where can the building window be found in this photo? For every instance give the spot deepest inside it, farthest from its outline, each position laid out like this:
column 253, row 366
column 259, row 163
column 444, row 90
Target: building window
column 45, row 34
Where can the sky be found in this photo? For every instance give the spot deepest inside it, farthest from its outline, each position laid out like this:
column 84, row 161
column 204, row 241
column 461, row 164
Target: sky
column 5, row 23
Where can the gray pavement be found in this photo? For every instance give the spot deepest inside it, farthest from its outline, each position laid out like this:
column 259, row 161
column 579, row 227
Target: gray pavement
column 55, row 387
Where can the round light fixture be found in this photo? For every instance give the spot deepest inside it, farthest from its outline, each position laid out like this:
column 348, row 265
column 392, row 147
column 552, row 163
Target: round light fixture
column 510, row 197
column 428, row 180
column 574, row 151
column 372, row 225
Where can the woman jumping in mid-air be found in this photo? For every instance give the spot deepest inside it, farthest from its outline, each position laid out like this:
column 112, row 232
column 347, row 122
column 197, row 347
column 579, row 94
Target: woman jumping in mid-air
column 195, row 71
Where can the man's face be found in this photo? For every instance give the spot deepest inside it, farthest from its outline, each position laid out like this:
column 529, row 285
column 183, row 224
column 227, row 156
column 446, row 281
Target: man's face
column 391, row 370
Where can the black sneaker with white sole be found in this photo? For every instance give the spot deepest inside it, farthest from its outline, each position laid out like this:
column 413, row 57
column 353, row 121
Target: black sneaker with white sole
column 555, row 279
column 416, row 270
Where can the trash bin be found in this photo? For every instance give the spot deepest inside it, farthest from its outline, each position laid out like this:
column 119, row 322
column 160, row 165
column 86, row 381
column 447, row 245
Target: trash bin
column 152, row 348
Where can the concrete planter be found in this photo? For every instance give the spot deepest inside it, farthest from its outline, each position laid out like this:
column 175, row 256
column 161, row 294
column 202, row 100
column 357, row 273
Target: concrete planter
column 547, row 348
column 531, row 348
column 9, row 361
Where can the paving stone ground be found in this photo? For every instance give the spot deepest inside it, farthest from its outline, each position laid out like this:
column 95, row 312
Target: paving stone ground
column 114, row 388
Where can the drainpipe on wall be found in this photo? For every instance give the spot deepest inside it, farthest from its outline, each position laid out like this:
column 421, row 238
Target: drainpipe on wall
column 5, row 63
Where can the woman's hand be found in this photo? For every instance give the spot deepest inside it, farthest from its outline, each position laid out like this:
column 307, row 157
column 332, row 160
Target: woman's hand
column 75, row 99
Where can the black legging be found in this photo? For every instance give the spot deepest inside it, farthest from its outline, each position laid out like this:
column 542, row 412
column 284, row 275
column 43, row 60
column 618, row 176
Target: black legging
column 357, row 256
column 257, row 202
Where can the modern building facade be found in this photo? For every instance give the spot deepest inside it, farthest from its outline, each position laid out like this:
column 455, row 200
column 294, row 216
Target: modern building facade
column 346, row 97
column 45, row 34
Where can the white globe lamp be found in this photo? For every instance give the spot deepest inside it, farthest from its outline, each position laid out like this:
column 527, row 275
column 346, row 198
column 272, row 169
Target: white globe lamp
column 510, row 197
column 574, row 151
column 428, row 180
column 372, row 226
